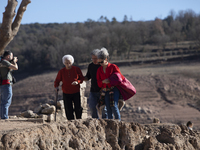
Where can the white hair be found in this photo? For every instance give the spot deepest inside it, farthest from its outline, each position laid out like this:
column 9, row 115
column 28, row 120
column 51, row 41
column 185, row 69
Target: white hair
column 68, row 57
column 103, row 53
column 95, row 52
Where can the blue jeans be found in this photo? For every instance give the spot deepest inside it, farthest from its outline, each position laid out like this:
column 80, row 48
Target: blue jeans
column 93, row 100
column 6, row 99
column 114, row 109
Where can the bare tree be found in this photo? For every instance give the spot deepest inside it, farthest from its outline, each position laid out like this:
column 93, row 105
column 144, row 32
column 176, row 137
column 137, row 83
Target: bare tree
column 9, row 28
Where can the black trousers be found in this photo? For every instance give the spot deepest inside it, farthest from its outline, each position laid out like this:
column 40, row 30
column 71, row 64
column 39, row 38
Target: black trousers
column 69, row 99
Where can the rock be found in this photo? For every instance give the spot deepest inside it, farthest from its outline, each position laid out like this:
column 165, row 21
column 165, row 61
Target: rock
column 49, row 110
column 28, row 114
column 51, row 117
column 138, row 110
column 38, row 109
column 44, row 117
column 60, row 104
column 12, row 117
column 51, row 102
column 45, row 105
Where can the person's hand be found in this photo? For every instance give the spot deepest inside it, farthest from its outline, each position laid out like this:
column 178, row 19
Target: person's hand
column 15, row 59
column 57, row 89
column 75, row 83
column 106, row 81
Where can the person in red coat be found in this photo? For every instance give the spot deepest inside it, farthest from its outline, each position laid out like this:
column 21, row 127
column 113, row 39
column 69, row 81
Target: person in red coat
column 71, row 77
column 109, row 93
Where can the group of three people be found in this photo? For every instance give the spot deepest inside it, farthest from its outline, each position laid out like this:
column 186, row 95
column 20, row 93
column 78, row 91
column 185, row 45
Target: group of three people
column 99, row 71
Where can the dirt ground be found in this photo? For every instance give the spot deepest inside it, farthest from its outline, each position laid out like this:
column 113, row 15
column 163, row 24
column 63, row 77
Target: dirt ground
column 168, row 91
column 16, row 124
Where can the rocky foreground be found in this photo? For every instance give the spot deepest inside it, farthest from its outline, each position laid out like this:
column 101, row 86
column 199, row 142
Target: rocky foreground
column 93, row 134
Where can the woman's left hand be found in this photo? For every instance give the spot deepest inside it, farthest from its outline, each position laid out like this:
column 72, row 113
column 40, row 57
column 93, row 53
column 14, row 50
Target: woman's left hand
column 106, row 81
column 75, row 83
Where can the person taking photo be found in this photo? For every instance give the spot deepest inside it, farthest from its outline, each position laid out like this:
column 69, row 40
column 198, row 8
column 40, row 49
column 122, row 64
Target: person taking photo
column 7, row 65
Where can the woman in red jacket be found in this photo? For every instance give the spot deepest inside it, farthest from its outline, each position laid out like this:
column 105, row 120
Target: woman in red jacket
column 110, row 93
column 71, row 77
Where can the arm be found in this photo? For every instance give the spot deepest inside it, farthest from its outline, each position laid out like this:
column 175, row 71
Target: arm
column 80, row 75
column 58, row 79
column 117, row 70
column 14, row 65
column 87, row 76
column 99, row 81
column 114, row 69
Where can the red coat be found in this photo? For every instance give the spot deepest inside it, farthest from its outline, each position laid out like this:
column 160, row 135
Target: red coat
column 111, row 68
column 67, row 77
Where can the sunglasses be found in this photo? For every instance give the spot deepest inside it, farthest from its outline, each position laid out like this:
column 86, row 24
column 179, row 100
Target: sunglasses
column 101, row 62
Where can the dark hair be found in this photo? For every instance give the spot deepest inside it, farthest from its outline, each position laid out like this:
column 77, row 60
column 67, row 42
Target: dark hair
column 6, row 53
column 189, row 123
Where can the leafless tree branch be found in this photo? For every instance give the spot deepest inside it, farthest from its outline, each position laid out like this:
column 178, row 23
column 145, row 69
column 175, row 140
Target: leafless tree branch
column 9, row 28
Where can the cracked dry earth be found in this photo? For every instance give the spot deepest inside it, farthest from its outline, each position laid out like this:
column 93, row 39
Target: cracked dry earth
column 101, row 134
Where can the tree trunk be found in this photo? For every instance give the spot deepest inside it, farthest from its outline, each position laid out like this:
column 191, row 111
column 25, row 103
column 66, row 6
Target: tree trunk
column 9, row 28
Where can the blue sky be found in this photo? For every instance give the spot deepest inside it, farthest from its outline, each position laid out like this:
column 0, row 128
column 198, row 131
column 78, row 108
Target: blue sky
column 72, row 11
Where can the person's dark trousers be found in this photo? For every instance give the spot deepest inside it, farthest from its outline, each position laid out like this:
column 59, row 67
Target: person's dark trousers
column 69, row 99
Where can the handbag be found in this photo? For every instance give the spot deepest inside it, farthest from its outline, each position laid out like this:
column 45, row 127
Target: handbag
column 125, row 87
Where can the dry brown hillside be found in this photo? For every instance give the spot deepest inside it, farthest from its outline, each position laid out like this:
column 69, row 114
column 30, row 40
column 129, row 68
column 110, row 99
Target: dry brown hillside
column 168, row 91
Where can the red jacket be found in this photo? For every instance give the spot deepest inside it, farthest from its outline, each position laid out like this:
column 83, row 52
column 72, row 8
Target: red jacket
column 67, row 77
column 111, row 68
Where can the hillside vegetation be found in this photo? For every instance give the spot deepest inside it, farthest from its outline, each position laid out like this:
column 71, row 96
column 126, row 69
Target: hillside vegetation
column 41, row 46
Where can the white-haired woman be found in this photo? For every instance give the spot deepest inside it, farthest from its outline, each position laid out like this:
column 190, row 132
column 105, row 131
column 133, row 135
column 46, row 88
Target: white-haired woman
column 71, row 77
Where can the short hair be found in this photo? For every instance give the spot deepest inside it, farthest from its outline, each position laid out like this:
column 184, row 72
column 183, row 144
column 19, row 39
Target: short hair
column 6, row 53
column 103, row 54
column 189, row 123
column 68, row 57
column 95, row 52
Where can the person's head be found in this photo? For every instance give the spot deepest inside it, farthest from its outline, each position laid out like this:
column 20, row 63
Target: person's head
column 189, row 124
column 68, row 60
column 156, row 120
column 8, row 55
column 94, row 54
column 103, row 57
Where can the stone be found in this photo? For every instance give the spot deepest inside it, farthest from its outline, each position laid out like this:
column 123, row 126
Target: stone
column 12, row 117
column 38, row 109
column 28, row 114
column 60, row 104
column 51, row 117
column 49, row 110
column 139, row 110
column 45, row 105
column 43, row 116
